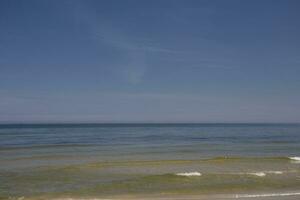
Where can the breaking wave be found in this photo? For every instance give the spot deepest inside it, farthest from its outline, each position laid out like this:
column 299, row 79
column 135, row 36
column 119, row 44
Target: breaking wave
column 266, row 195
column 189, row 174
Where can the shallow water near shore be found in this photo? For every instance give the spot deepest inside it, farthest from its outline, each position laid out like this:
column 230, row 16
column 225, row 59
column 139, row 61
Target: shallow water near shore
column 86, row 161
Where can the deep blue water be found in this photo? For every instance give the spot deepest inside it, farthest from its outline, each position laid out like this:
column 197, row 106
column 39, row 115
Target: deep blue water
column 175, row 140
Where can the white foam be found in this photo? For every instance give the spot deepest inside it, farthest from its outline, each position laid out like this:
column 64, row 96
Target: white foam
column 295, row 158
column 274, row 172
column 266, row 195
column 260, row 174
column 189, row 174
column 264, row 173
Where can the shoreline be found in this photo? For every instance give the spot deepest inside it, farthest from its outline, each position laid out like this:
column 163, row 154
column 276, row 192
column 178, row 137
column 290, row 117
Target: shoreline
column 288, row 195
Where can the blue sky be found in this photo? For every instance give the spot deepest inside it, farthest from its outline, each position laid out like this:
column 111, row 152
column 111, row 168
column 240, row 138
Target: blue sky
column 149, row 61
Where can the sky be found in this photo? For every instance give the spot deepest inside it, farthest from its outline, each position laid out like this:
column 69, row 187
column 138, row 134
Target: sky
column 149, row 61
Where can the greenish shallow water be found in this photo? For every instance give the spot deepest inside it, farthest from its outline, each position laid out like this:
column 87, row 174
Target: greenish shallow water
column 101, row 161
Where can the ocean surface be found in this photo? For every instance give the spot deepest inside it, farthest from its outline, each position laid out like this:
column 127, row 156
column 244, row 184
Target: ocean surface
column 84, row 161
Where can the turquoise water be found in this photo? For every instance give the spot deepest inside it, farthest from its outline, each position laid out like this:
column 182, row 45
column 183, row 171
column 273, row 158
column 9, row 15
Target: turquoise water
column 105, row 160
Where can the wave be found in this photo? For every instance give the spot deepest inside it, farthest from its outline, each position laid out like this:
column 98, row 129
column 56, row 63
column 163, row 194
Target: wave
column 264, row 173
column 189, row 182
column 266, row 195
column 159, row 163
column 189, row 174
column 295, row 159
column 260, row 174
column 237, row 196
column 274, row 172
column 229, row 158
column 216, row 160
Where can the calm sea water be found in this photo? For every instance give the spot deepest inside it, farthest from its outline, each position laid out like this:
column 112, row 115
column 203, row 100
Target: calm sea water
column 105, row 160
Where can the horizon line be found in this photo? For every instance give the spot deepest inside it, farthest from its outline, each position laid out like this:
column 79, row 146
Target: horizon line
column 136, row 122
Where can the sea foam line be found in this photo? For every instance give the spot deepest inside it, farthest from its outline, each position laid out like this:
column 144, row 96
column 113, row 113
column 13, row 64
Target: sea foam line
column 295, row 158
column 189, row 174
column 266, row 195
column 260, row 174
column 274, row 172
column 264, row 173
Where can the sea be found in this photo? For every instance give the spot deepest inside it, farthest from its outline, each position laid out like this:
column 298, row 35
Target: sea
column 149, row 160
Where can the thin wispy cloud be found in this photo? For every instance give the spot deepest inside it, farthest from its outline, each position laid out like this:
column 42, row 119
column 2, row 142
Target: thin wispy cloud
column 137, row 51
column 149, row 60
